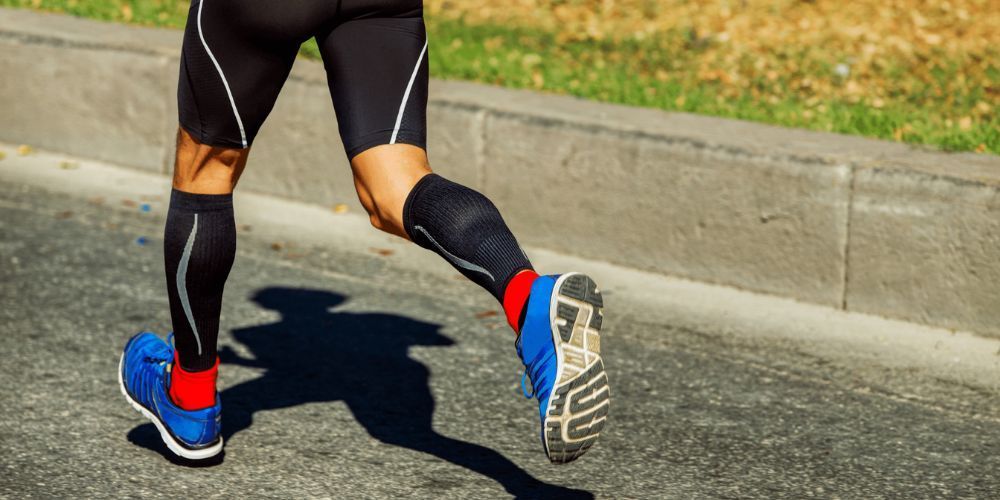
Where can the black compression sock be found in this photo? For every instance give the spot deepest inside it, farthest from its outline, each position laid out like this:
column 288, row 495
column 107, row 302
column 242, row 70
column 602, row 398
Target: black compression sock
column 199, row 247
column 464, row 227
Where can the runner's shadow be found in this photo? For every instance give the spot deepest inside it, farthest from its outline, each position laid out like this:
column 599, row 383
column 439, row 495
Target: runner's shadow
column 314, row 355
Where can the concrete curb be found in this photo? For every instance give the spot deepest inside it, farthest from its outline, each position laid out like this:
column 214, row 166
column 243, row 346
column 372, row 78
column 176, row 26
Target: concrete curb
column 841, row 221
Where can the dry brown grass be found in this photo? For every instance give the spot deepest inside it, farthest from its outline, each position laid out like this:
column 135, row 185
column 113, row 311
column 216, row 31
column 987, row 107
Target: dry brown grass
column 857, row 51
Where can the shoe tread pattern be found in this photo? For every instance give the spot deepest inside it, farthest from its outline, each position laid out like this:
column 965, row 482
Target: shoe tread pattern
column 580, row 401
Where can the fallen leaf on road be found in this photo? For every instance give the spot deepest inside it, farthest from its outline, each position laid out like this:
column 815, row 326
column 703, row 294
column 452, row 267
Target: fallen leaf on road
column 2, row 155
column 385, row 252
column 277, row 246
column 340, row 208
column 68, row 165
column 65, row 214
column 24, row 150
column 97, row 200
column 243, row 227
column 486, row 314
column 129, row 203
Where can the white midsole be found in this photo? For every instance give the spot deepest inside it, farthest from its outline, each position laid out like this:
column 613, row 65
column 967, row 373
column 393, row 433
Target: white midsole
column 168, row 440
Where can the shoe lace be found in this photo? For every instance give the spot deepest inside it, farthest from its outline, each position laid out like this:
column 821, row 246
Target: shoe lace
column 524, row 385
column 525, row 378
column 162, row 356
column 532, row 372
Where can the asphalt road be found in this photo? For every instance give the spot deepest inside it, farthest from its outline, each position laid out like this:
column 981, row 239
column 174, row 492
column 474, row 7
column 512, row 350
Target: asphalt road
column 347, row 374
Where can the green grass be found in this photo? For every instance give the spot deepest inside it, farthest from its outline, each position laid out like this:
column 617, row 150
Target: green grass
column 516, row 58
column 626, row 73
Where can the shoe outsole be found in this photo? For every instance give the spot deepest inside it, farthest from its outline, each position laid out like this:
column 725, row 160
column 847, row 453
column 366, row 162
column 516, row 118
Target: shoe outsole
column 579, row 403
column 172, row 444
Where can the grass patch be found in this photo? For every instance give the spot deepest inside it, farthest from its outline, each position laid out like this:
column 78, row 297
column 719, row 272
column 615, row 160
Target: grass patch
column 931, row 92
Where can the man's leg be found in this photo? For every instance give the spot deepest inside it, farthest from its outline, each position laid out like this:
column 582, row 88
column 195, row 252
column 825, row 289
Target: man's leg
column 234, row 61
column 377, row 67
column 231, row 74
column 557, row 318
column 174, row 386
column 378, row 72
column 199, row 248
column 403, row 197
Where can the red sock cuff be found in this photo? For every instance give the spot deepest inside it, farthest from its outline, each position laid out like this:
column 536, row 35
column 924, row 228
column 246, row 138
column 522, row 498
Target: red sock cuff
column 515, row 297
column 193, row 390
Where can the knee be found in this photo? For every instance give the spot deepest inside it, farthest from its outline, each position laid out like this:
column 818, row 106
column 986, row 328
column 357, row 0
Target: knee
column 200, row 168
column 382, row 206
column 383, row 188
column 378, row 218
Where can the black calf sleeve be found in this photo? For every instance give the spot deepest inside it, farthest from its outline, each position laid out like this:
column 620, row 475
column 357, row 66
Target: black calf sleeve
column 199, row 247
column 464, row 227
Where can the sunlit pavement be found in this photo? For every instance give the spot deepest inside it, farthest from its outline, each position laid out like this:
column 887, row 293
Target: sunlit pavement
column 348, row 374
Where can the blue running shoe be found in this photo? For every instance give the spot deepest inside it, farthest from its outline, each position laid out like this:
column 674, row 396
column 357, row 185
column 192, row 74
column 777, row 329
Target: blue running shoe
column 143, row 377
column 560, row 347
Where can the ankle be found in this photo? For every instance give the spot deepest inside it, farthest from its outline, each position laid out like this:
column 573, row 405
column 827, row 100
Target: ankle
column 515, row 298
column 193, row 390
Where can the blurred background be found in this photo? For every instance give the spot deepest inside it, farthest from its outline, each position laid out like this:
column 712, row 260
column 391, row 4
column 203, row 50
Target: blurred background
column 915, row 71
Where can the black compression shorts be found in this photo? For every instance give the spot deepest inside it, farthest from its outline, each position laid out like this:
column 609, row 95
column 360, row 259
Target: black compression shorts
column 238, row 53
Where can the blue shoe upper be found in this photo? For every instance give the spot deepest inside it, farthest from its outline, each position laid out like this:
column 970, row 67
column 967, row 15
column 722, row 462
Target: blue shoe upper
column 535, row 346
column 144, row 372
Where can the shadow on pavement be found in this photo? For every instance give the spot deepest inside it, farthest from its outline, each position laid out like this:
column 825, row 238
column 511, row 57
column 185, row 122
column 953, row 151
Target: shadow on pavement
column 314, row 355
